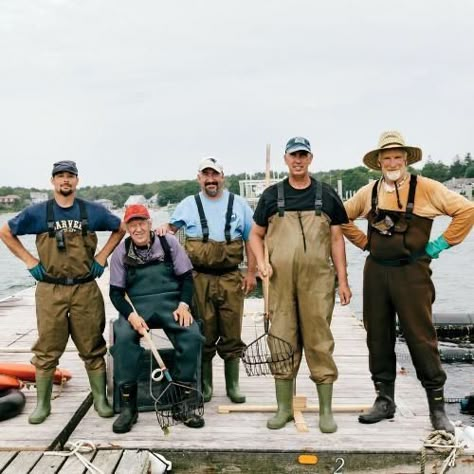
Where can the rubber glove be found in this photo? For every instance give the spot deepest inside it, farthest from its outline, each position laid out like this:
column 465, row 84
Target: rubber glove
column 96, row 269
column 435, row 247
column 37, row 272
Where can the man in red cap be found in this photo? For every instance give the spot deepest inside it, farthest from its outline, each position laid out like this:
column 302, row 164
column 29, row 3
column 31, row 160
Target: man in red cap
column 156, row 274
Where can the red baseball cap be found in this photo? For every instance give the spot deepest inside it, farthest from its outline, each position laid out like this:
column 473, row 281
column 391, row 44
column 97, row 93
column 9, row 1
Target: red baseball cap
column 136, row 211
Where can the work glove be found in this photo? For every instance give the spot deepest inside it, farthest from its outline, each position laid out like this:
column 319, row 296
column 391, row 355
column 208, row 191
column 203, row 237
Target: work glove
column 37, row 272
column 435, row 247
column 96, row 269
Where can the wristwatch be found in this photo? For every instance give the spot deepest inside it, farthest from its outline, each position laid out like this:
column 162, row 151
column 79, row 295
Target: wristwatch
column 182, row 303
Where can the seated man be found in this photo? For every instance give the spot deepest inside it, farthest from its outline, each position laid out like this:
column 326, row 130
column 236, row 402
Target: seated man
column 156, row 274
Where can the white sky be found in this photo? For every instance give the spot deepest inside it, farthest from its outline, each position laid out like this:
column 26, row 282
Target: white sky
column 139, row 91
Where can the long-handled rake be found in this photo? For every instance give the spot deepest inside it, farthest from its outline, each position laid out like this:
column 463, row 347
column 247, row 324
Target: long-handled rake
column 268, row 354
column 177, row 402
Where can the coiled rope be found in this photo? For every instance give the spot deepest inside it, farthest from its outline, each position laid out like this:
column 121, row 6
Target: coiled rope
column 440, row 441
column 76, row 448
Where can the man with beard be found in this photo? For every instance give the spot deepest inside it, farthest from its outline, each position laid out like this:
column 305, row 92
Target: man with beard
column 68, row 300
column 217, row 225
column 299, row 219
column 400, row 209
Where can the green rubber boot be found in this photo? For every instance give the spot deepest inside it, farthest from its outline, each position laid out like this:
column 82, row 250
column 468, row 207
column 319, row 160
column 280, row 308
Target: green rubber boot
column 97, row 381
column 284, row 396
column 231, row 372
column 327, row 423
column 207, row 380
column 44, row 387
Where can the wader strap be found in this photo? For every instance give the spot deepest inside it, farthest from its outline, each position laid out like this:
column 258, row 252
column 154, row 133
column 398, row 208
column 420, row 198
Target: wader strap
column 215, row 271
column 280, row 199
column 411, row 197
column 83, row 214
column 228, row 217
column 374, row 199
column 202, row 217
column 50, row 217
column 166, row 248
column 67, row 281
column 318, row 201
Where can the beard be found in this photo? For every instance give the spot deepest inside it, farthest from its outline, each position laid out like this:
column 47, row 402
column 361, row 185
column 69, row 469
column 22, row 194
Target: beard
column 66, row 192
column 211, row 192
column 393, row 175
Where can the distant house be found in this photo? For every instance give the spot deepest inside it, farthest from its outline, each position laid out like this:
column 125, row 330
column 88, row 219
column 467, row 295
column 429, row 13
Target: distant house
column 462, row 186
column 9, row 200
column 136, row 199
column 37, row 197
column 107, row 203
column 153, row 201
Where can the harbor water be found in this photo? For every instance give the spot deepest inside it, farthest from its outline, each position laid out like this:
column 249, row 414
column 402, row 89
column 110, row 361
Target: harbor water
column 452, row 275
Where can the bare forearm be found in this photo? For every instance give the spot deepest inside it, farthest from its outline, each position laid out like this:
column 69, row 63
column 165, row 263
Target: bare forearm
column 251, row 260
column 256, row 244
column 338, row 254
column 16, row 247
column 108, row 248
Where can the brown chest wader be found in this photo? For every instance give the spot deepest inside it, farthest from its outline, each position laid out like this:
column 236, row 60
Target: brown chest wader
column 219, row 299
column 301, row 302
column 397, row 281
column 69, row 302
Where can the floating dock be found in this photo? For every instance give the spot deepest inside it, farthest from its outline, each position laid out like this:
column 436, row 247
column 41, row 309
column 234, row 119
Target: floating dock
column 230, row 442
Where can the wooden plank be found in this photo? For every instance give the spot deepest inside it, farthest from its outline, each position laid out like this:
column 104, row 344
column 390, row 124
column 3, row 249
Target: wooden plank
column 133, row 462
column 107, row 461
column 48, row 465
column 23, row 462
column 74, row 466
column 5, row 458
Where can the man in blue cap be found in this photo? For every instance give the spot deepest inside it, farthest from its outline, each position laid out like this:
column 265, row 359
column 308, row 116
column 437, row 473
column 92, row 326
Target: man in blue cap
column 68, row 300
column 300, row 220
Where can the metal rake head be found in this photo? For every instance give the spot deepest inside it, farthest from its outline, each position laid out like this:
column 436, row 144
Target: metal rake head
column 268, row 355
column 177, row 403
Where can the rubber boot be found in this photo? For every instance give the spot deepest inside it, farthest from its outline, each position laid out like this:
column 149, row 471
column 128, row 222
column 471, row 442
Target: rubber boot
column 384, row 405
column 207, row 380
column 97, row 381
column 284, row 396
column 438, row 417
column 231, row 371
column 44, row 387
column 128, row 408
column 327, row 424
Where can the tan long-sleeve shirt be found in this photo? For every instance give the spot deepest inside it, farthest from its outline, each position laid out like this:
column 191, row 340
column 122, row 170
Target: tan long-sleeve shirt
column 432, row 199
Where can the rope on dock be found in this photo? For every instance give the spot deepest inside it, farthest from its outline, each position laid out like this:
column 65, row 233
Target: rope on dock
column 440, row 441
column 76, row 448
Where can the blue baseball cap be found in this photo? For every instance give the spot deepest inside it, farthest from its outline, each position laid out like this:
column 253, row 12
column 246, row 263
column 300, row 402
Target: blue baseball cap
column 298, row 144
column 65, row 166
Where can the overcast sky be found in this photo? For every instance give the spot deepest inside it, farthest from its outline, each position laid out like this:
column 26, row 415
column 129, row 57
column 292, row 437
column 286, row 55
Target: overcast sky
column 140, row 91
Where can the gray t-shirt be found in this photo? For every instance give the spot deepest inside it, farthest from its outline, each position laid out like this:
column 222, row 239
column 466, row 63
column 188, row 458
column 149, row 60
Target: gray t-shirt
column 118, row 271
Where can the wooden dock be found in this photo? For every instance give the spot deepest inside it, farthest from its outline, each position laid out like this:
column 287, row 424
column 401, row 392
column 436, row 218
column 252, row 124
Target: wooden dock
column 230, row 442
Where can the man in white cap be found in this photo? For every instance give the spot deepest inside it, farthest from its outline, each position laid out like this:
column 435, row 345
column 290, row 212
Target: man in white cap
column 217, row 224
column 400, row 209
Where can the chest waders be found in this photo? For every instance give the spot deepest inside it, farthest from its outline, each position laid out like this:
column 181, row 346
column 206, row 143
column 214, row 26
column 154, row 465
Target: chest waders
column 219, row 299
column 397, row 281
column 155, row 293
column 301, row 301
column 68, row 302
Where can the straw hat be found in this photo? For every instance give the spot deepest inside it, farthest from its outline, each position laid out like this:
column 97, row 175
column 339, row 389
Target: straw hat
column 391, row 139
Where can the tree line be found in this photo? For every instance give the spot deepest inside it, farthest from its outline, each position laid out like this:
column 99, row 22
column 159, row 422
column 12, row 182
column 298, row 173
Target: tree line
column 174, row 191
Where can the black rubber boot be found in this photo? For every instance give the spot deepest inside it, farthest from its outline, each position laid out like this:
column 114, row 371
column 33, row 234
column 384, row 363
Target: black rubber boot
column 207, row 380
column 438, row 417
column 384, row 405
column 128, row 408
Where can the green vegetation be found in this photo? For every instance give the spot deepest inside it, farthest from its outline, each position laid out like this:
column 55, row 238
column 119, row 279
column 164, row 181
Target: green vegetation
column 175, row 191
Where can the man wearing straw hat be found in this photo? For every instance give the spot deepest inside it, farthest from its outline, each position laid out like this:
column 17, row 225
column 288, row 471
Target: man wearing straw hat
column 300, row 220
column 156, row 274
column 400, row 208
column 217, row 224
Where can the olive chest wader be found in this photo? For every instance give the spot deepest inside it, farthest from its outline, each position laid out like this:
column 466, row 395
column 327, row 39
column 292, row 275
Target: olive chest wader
column 301, row 302
column 155, row 293
column 219, row 299
column 397, row 280
column 68, row 301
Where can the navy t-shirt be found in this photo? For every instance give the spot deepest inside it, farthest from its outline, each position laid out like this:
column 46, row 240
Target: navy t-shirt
column 33, row 219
